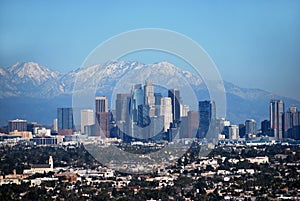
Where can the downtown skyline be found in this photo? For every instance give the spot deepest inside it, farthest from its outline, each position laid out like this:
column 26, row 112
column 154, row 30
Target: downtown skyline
column 149, row 100
column 246, row 40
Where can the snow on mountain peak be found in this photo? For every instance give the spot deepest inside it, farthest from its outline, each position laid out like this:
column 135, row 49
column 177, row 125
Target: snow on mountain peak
column 3, row 72
column 22, row 72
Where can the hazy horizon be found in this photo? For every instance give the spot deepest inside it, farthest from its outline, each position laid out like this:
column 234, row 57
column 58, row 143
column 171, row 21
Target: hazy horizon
column 255, row 44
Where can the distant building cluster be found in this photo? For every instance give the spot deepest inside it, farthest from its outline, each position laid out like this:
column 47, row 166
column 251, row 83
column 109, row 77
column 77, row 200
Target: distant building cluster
column 281, row 125
column 146, row 115
column 142, row 115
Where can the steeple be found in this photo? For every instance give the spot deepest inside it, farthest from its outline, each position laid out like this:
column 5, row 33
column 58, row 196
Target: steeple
column 51, row 162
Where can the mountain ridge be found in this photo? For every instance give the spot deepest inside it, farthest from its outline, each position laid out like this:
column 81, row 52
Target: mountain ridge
column 32, row 81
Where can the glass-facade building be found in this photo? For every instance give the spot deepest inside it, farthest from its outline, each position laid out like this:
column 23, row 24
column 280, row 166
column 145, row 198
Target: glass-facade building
column 65, row 118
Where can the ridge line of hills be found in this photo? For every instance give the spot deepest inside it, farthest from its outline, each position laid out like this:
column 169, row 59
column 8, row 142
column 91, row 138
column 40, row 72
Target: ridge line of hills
column 32, row 91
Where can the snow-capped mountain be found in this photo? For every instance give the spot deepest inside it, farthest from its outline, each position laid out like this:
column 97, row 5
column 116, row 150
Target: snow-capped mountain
column 42, row 90
column 31, row 72
column 26, row 79
column 37, row 81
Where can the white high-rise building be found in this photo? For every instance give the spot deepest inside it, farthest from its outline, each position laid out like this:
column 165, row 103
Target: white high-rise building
column 184, row 109
column 233, row 132
column 166, row 111
column 55, row 124
column 87, row 118
column 149, row 98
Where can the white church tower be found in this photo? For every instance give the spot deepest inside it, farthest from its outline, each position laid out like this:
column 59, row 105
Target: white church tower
column 51, row 163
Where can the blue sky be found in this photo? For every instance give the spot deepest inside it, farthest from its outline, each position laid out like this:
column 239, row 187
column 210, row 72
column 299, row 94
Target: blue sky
column 254, row 44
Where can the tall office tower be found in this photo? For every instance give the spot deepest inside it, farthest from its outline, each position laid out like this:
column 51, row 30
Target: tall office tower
column 17, row 124
column 242, row 130
column 143, row 116
column 166, row 112
column 296, row 128
column 122, row 114
column 101, row 104
column 137, row 98
column 233, row 132
column 250, row 127
column 292, row 123
column 184, row 109
column 183, row 132
column 193, row 123
column 207, row 117
column 122, row 107
column 87, row 119
column 184, row 124
column 149, row 98
column 65, row 118
column 55, row 124
column 103, row 124
column 102, row 117
column 149, row 93
column 158, row 97
column 276, row 118
column 265, row 127
column 174, row 94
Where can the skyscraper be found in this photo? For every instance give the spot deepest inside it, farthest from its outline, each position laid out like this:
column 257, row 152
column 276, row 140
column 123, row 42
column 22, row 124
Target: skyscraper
column 158, row 97
column 184, row 109
column 102, row 116
column 137, row 98
column 265, row 127
column 122, row 107
column 193, row 123
column 276, row 118
column 122, row 115
column 174, row 94
column 55, row 124
column 233, row 132
column 149, row 98
column 207, row 117
column 101, row 104
column 149, row 93
column 292, row 123
column 87, row 119
column 166, row 112
column 242, row 130
column 143, row 116
column 65, row 118
column 250, row 127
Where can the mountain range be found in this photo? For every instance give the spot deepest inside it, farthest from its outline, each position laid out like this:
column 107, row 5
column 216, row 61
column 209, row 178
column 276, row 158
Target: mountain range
column 32, row 91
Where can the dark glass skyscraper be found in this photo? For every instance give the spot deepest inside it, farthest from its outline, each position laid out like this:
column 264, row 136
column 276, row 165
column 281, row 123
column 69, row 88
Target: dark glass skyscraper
column 265, row 127
column 174, row 94
column 122, row 107
column 65, row 118
column 207, row 117
column 143, row 115
column 276, row 118
column 137, row 98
